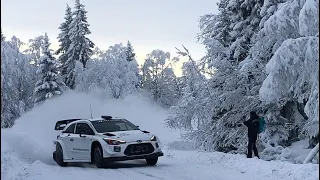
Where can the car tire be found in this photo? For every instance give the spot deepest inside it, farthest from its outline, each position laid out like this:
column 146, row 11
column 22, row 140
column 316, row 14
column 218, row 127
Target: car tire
column 58, row 156
column 98, row 156
column 152, row 161
column 54, row 156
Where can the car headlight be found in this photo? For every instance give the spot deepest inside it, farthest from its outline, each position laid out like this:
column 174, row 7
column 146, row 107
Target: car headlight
column 153, row 138
column 113, row 141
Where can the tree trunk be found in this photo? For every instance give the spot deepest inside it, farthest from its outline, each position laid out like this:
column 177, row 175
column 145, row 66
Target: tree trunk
column 313, row 152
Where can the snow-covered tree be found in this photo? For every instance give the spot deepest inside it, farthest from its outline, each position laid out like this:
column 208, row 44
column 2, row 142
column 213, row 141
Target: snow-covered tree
column 17, row 82
column 287, row 36
column 34, row 49
column 81, row 48
column 233, row 27
column 132, row 76
column 97, row 52
column 17, row 42
column 157, row 74
column 216, row 26
column 85, row 78
column 245, row 19
column 49, row 83
column 132, row 65
column 268, row 8
column 130, row 52
column 186, row 114
column 292, row 69
column 298, row 68
column 110, row 72
column 65, row 41
column 122, row 78
column 169, row 88
column 210, row 108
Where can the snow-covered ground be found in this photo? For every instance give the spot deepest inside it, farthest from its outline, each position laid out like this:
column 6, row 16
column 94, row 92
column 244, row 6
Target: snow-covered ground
column 26, row 148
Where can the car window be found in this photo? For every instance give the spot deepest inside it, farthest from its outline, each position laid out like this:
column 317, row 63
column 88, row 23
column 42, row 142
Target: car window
column 125, row 127
column 122, row 126
column 113, row 125
column 70, row 129
column 83, row 128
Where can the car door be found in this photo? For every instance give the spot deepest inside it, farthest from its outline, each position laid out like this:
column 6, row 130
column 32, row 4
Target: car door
column 67, row 138
column 82, row 142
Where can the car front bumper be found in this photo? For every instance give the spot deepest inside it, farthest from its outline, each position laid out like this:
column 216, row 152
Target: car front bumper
column 125, row 158
column 109, row 152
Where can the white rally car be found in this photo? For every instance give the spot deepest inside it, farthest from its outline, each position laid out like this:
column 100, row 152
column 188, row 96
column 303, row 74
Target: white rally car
column 104, row 140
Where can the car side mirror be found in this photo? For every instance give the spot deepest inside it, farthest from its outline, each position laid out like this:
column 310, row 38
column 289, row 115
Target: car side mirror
column 138, row 127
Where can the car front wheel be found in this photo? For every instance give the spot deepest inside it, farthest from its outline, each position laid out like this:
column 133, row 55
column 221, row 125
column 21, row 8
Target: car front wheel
column 98, row 157
column 152, row 161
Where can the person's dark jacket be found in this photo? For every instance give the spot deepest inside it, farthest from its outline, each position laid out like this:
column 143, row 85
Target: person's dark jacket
column 252, row 127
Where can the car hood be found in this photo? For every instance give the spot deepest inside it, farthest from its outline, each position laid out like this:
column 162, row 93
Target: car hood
column 129, row 136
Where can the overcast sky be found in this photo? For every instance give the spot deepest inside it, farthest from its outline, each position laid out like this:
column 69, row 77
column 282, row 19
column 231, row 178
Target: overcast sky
column 148, row 24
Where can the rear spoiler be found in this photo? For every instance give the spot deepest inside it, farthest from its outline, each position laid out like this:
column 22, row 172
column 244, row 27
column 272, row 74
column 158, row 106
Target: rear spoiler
column 63, row 123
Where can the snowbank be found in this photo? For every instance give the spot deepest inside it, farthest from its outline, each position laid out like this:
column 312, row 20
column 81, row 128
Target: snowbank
column 296, row 153
column 256, row 168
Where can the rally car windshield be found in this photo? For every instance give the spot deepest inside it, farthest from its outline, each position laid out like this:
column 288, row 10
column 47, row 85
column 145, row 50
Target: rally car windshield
column 113, row 125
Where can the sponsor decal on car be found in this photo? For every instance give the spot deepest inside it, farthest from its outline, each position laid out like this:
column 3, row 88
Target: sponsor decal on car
column 78, row 149
column 124, row 134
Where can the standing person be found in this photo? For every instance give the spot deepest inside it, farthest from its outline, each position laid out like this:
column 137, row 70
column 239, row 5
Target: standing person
column 253, row 129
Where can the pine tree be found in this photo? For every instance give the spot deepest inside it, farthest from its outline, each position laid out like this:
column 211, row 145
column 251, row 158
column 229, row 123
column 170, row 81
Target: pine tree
column 268, row 9
column 245, row 19
column 217, row 26
column 64, row 40
column 130, row 54
column 132, row 65
column 49, row 83
column 81, row 47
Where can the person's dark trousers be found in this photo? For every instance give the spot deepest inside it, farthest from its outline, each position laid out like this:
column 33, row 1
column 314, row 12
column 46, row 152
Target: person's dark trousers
column 252, row 146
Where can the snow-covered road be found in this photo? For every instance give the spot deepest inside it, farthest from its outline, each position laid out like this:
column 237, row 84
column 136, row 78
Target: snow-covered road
column 167, row 169
column 26, row 148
